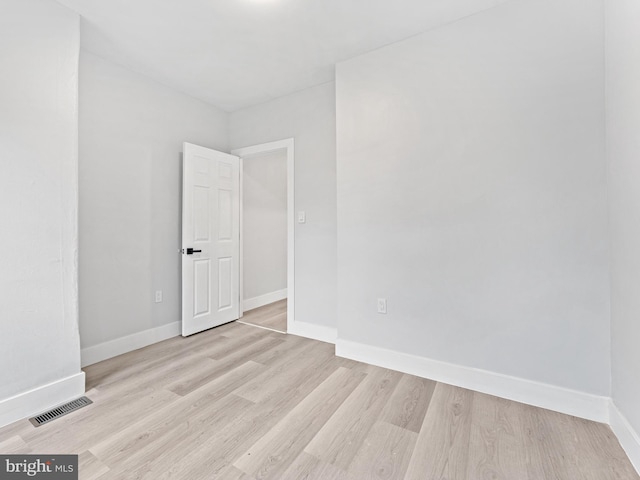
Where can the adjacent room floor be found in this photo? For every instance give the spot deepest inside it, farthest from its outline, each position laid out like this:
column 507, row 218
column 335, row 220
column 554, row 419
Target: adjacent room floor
column 239, row 402
column 273, row 316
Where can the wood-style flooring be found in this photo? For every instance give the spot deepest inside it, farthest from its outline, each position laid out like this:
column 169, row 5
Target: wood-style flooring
column 243, row 403
column 273, row 316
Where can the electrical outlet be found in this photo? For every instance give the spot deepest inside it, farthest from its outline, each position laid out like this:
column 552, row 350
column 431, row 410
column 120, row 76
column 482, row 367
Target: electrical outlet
column 158, row 296
column 382, row 305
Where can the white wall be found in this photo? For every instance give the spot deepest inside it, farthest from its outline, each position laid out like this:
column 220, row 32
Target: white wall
column 623, row 152
column 472, row 195
column 265, row 224
column 131, row 135
column 309, row 117
column 39, row 343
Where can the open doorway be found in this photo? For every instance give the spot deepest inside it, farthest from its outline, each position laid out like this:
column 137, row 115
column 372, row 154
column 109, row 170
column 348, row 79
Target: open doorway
column 266, row 235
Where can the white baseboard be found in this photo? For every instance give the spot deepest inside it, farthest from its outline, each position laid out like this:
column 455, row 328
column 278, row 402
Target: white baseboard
column 113, row 348
column 41, row 399
column 262, row 300
column 627, row 436
column 572, row 402
column 313, row 331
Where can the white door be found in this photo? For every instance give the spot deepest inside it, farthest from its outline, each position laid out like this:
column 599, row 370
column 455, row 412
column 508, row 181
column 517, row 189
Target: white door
column 210, row 239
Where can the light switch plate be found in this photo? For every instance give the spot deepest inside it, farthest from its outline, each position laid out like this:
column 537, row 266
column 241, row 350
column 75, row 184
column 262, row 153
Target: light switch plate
column 382, row 305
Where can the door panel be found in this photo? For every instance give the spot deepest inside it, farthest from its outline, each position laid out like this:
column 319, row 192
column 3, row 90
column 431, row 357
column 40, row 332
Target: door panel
column 202, row 287
column 224, row 282
column 211, row 228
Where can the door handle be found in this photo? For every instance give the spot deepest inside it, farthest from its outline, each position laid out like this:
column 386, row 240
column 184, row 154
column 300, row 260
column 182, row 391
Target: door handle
column 191, row 251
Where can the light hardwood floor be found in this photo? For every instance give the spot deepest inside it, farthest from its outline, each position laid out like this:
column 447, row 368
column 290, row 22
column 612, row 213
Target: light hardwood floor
column 242, row 403
column 273, row 316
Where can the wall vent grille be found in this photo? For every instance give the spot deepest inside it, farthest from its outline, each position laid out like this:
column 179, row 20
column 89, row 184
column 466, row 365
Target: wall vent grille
column 60, row 411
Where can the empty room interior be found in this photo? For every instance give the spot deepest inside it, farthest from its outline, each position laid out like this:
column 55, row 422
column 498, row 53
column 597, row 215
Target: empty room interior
column 320, row 239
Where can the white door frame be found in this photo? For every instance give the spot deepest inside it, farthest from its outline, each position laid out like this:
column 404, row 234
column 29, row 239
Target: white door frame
column 245, row 152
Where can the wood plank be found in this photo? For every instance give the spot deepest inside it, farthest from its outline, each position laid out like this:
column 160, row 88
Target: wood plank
column 598, row 452
column 615, row 459
column 17, row 428
column 308, row 467
column 339, row 440
column 77, row 431
column 189, row 414
column 442, row 448
column 156, row 377
column 287, row 348
column 277, row 322
column 409, row 403
column 139, row 362
column 89, row 467
column 272, row 316
column 232, row 473
column 548, row 455
column 498, row 448
column 384, row 454
column 214, row 454
column 162, row 447
column 291, row 370
column 242, row 342
column 278, row 307
column 14, row 445
column 270, row 456
column 198, row 377
column 236, row 329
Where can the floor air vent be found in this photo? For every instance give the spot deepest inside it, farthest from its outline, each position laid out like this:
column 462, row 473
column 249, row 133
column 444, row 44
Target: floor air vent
column 60, row 411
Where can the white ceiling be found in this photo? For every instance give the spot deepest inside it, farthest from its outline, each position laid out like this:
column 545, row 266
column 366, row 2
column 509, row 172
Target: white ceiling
column 236, row 53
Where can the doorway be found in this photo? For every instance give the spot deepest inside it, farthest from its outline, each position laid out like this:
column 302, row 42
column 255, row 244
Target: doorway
column 267, row 273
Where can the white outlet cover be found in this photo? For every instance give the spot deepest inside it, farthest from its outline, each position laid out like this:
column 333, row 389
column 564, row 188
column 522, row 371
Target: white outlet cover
column 382, row 305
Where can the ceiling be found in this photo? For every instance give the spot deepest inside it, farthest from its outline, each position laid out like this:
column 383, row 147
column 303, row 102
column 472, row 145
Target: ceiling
column 236, row 53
